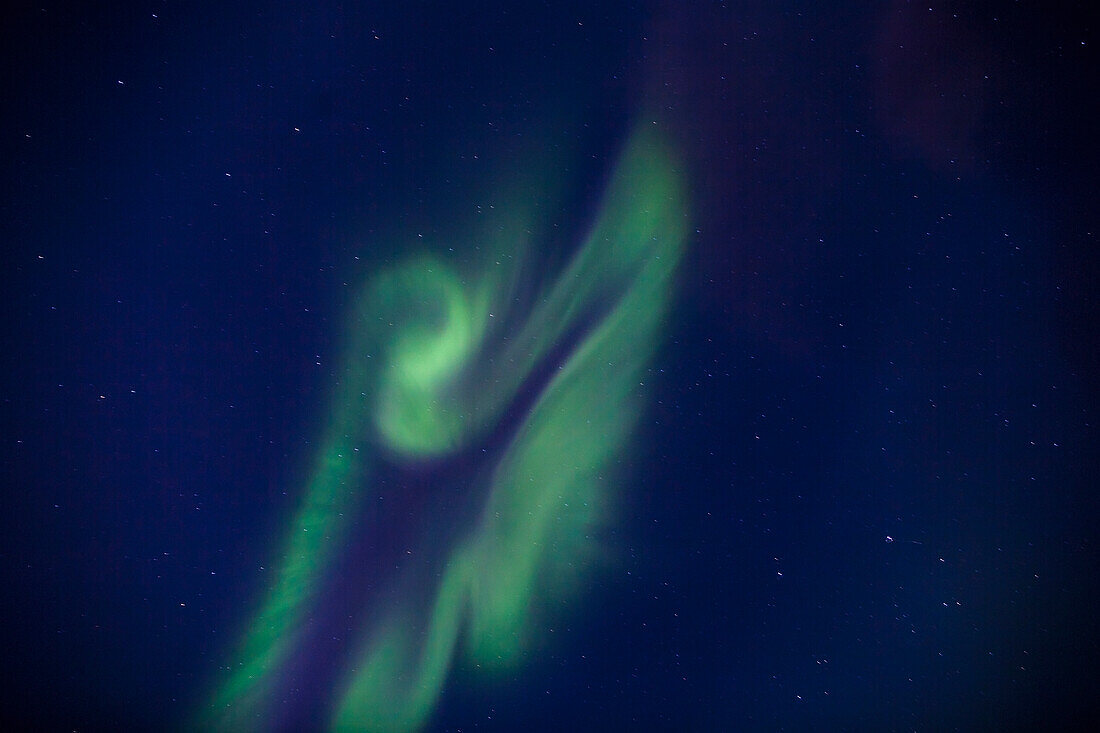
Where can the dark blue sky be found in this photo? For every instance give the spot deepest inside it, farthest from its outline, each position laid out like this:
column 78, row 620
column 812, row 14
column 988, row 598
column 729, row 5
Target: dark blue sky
column 868, row 500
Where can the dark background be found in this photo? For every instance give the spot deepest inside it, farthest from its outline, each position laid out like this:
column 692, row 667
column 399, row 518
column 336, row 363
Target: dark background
column 868, row 501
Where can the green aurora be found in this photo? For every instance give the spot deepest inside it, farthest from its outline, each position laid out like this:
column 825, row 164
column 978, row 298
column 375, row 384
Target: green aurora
column 435, row 359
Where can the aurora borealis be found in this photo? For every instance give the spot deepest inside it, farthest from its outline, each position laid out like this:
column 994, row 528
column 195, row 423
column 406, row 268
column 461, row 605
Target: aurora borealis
column 427, row 374
column 575, row 366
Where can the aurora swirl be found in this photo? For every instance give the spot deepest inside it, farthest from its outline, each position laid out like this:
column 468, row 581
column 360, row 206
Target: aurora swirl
column 438, row 357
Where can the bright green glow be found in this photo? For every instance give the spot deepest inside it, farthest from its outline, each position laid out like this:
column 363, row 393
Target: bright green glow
column 440, row 377
column 414, row 413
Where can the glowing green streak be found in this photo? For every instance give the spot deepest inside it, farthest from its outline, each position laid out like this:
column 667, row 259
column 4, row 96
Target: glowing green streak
column 308, row 548
column 437, row 381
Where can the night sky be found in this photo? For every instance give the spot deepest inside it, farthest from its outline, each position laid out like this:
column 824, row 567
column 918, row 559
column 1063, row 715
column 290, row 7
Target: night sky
column 861, row 493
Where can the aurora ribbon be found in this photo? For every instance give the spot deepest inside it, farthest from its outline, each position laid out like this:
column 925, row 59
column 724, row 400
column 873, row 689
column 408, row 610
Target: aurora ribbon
column 437, row 359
